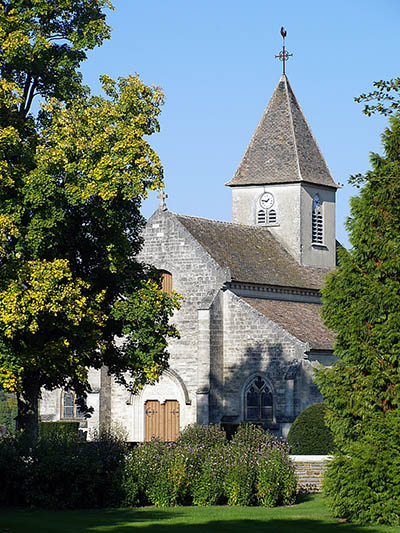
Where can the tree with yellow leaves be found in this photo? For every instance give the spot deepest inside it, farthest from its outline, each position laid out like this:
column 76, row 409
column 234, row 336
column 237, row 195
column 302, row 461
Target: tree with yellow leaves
column 72, row 180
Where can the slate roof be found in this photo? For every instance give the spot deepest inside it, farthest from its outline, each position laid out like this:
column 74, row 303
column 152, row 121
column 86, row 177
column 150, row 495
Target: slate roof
column 283, row 148
column 303, row 320
column 251, row 253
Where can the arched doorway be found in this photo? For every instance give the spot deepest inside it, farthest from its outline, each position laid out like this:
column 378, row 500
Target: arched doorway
column 162, row 420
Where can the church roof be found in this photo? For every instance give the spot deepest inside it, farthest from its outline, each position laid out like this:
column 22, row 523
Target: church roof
column 302, row 320
column 252, row 254
column 283, row 148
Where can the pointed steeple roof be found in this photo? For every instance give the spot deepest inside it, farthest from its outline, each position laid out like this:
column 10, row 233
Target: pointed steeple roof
column 283, row 148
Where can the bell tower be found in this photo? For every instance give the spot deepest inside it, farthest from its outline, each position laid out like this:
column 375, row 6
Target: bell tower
column 283, row 182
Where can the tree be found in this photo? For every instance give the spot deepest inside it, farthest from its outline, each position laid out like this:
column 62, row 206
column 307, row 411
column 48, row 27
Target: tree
column 72, row 180
column 384, row 101
column 361, row 302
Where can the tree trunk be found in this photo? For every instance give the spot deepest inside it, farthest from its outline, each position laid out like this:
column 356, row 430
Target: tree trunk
column 28, row 410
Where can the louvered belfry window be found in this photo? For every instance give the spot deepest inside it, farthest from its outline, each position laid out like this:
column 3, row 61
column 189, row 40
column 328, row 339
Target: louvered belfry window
column 272, row 216
column 261, row 217
column 266, row 217
column 317, row 222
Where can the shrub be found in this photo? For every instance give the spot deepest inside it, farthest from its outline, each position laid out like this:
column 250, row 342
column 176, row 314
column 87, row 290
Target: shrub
column 309, row 433
column 260, row 470
column 66, row 472
column 14, row 468
column 158, row 473
column 54, row 429
column 276, row 479
column 208, row 484
column 205, row 436
column 363, row 485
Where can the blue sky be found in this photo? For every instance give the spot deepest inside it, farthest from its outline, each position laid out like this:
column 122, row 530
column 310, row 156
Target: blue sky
column 216, row 62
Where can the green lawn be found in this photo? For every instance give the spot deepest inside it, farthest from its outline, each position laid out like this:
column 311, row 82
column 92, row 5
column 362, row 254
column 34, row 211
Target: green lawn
column 310, row 515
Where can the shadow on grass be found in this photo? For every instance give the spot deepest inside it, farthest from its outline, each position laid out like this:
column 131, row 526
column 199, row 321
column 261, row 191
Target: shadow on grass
column 303, row 525
column 122, row 521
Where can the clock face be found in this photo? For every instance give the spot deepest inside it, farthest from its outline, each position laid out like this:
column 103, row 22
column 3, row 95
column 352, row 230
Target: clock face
column 267, row 200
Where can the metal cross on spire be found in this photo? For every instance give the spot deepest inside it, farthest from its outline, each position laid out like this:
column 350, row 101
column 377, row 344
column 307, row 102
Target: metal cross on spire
column 283, row 55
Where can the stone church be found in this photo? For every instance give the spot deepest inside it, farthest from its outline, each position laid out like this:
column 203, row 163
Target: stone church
column 250, row 324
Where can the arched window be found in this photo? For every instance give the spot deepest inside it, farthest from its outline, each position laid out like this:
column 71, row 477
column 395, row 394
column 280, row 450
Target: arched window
column 261, row 217
column 272, row 216
column 69, row 407
column 317, row 221
column 258, row 401
column 166, row 281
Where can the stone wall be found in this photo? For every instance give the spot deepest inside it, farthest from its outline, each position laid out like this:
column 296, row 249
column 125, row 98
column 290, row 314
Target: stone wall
column 310, row 471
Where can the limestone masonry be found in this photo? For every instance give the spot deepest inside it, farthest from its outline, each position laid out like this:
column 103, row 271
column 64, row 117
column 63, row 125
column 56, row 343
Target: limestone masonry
column 250, row 325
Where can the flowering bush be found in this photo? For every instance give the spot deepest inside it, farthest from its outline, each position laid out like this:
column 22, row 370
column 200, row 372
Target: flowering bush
column 204, row 469
column 208, row 484
column 276, row 480
column 244, row 451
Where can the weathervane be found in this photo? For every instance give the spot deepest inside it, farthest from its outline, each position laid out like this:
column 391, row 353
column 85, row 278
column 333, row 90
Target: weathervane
column 283, row 55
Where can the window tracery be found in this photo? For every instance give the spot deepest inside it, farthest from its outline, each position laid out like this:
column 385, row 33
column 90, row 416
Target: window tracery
column 258, row 400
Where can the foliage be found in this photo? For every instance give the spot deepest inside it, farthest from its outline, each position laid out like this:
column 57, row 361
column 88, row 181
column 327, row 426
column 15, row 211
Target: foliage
column 362, row 304
column 364, row 486
column 241, row 470
column 61, row 471
column 259, row 469
column 386, row 102
column 8, row 410
column 309, row 434
column 208, row 485
column 276, row 481
column 205, row 436
column 71, row 184
column 56, row 429
column 13, row 470
column 158, row 473
column 211, row 471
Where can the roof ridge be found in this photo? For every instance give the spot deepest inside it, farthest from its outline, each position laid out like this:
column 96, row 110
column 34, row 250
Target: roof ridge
column 227, row 222
column 286, row 81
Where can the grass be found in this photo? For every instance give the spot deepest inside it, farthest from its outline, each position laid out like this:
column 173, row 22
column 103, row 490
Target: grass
column 310, row 515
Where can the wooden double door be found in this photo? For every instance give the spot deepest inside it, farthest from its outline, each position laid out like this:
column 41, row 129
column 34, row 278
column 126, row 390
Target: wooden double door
column 161, row 420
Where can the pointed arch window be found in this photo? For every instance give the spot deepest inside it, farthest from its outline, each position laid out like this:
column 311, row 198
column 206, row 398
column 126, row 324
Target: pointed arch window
column 317, row 221
column 166, row 281
column 258, row 401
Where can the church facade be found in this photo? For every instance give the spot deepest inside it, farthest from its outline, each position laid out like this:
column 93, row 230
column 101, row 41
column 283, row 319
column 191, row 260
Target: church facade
column 250, row 324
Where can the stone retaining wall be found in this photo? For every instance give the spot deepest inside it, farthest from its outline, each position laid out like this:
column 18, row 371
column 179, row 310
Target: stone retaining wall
column 310, row 471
